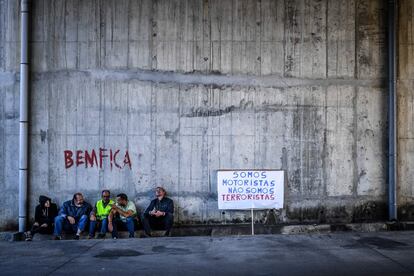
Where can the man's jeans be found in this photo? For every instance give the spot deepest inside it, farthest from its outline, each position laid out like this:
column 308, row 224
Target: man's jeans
column 129, row 224
column 157, row 223
column 62, row 223
column 94, row 223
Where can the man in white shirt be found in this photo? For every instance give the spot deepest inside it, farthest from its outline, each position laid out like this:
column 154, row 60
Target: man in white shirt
column 123, row 215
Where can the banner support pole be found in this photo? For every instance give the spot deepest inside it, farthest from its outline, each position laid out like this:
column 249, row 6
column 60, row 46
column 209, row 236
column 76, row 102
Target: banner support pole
column 252, row 222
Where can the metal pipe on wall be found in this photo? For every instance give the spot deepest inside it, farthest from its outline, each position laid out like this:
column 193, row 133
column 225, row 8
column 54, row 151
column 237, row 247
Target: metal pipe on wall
column 24, row 113
column 392, row 111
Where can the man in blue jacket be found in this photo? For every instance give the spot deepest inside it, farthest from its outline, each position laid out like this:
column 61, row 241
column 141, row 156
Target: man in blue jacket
column 73, row 217
column 159, row 214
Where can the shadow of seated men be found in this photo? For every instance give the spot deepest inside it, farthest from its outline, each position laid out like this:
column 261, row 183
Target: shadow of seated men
column 122, row 217
column 73, row 217
column 160, row 214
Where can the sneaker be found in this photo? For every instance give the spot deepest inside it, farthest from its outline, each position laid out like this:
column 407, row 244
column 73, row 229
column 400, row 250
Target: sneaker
column 115, row 238
column 28, row 236
column 91, row 237
column 167, row 234
column 101, row 236
column 76, row 237
column 57, row 238
column 131, row 236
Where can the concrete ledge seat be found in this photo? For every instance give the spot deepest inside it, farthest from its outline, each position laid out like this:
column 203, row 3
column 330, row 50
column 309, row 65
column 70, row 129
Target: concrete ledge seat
column 242, row 229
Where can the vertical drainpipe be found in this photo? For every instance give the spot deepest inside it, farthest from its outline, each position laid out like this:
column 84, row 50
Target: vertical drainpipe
column 392, row 112
column 24, row 113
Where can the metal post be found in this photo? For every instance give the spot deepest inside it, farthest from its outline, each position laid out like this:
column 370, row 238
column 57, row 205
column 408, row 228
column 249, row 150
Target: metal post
column 24, row 113
column 252, row 222
column 392, row 112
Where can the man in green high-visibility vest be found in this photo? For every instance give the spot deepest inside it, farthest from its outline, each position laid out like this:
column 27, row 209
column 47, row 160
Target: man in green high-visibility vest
column 99, row 215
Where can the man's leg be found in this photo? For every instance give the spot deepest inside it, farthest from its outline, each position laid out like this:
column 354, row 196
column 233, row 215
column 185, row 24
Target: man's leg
column 59, row 222
column 104, row 226
column 29, row 234
column 46, row 230
column 80, row 226
column 168, row 223
column 82, row 223
column 35, row 228
column 130, row 226
column 146, row 224
column 115, row 222
column 92, row 227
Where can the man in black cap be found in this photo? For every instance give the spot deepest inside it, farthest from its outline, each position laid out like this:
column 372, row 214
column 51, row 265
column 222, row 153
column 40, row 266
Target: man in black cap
column 45, row 214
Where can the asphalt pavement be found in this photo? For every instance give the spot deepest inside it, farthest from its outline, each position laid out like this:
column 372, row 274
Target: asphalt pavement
column 378, row 253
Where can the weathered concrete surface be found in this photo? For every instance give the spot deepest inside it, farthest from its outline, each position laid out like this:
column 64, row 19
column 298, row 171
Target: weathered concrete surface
column 405, row 111
column 189, row 87
column 339, row 254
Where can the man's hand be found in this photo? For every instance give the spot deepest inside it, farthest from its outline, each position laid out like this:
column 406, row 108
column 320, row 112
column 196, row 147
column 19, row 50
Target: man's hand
column 43, row 225
column 152, row 213
column 92, row 217
column 71, row 219
column 114, row 207
column 36, row 224
column 159, row 214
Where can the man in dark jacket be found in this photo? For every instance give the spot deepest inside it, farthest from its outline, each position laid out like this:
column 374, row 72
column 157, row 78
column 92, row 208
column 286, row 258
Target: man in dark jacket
column 45, row 214
column 159, row 214
column 73, row 216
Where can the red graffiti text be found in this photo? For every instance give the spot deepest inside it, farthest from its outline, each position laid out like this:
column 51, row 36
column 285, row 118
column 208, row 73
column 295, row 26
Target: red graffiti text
column 91, row 158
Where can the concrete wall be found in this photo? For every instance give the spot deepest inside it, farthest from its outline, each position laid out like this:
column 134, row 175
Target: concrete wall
column 405, row 87
column 189, row 87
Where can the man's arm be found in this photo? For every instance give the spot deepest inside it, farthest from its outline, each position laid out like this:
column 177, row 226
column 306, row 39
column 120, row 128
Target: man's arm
column 168, row 210
column 53, row 211
column 170, row 207
column 38, row 212
column 94, row 210
column 127, row 213
column 150, row 207
column 87, row 209
column 63, row 210
column 110, row 219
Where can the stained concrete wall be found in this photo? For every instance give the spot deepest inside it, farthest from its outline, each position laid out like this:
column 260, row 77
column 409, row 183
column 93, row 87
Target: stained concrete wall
column 405, row 103
column 190, row 87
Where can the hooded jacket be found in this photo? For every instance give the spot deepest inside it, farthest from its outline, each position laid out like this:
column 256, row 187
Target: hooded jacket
column 43, row 214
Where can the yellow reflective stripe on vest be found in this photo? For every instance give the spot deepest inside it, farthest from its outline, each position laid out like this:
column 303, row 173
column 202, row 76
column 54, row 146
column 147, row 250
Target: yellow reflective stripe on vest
column 101, row 211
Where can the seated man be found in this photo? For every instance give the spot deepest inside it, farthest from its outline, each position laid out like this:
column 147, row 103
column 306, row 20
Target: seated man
column 45, row 214
column 99, row 215
column 73, row 216
column 159, row 214
column 123, row 215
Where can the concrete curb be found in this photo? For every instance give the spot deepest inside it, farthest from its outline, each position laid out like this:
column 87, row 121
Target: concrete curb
column 245, row 229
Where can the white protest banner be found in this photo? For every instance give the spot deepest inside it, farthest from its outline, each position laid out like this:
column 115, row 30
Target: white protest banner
column 250, row 189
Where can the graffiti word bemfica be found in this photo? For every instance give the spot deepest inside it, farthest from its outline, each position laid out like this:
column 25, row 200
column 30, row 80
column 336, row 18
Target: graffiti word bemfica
column 97, row 158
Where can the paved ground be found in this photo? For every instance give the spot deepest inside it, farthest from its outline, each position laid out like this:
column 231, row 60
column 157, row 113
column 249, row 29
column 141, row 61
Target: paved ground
column 382, row 253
